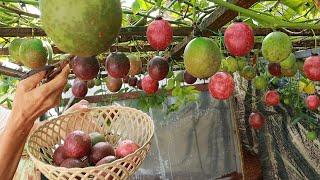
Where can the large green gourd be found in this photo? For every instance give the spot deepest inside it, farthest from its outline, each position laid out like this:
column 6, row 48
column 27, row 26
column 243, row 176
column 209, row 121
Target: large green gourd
column 82, row 27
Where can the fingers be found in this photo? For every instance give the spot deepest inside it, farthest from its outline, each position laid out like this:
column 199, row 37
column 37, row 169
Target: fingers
column 31, row 82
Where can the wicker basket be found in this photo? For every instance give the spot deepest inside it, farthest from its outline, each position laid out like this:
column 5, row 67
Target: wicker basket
column 116, row 122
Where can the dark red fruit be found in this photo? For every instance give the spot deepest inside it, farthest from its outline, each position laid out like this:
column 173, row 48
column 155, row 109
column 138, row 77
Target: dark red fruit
column 125, row 148
column 77, row 144
column 85, row 68
column 274, row 69
column 311, row 68
column 188, row 78
column 133, row 81
column 126, row 79
column 272, row 98
column 73, row 163
column 158, row 68
column 79, row 88
column 313, row 102
column 221, row 85
column 139, row 84
column 149, row 85
column 117, row 65
column 159, row 34
column 256, row 120
column 106, row 160
column 239, row 39
column 58, row 156
column 101, row 150
column 113, row 84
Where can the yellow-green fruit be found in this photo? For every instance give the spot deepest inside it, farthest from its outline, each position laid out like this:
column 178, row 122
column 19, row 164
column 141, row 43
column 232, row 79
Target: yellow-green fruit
column 232, row 64
column 90, row 84
column 202, row 57
column 223, row 66
column 260, row 82
column 301, row 86
column 14, row 49
column 290, row 72
column 248, row 72
column 310, row 88
column 289, row 62
column 33, row 53
column 276, row 47
column 242, row 62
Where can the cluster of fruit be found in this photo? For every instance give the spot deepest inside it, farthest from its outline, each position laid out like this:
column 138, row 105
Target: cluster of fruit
column 82, row 150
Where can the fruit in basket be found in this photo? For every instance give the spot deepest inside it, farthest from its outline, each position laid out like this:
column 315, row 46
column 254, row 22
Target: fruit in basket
column 79, row 88
column 159, row 34
column 311, row 68
column 77, row 144
column 149, row 85
column 91, row 37
column 14, row 49
column 188, row 78
column 58, row 156
column 117, row 65
column 221, row 85
column 100, row 150
column 276, row 47
column 289, row 62
column 33, row 53
column 85, row 68
column 312, row 102
column 158, row 68
column 132, row 81
column 274, row 69
column 202, row 57
column 113, row 84
column 272, row 98
column 256, row 120
column 135, row 65
column 125, row 148
column 73, row 163
column 239, row 38
column 105, row 160
column 96, row 138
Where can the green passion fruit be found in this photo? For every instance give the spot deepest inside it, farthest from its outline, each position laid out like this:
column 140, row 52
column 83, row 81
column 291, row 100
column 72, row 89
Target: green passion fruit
column 33, row 53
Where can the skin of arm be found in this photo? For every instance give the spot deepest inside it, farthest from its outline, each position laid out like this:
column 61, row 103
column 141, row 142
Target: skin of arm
column 30, row 102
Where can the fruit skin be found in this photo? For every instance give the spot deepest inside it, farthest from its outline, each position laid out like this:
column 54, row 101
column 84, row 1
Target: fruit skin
column 202, row 57
column 311, row 68
column 289, row 62
column 310, row 88
column 126, row 79
column 312, row 102
column 312, row 135
column 301, row 86
column 188, row 78
column 221, row 85
column 231, row 64
column 79, row 88
column 290, row 72
column 159, row 34
column 14, row 49
column 139, row 84
column 149, row 85
column 90, row 84
column 125, row 148
column 97, row 82
column 96, row 137
column 239, row 39
column 105, row 160
column 100, row 150
column 256, row 120
column 272, row 98
column 32, row 53
column 85, row 68
column 260, row 82
column 58, row 156
column 133, row 81
column 241, row 63
column 77, row 144
column 117, row 64
column 100, row 24
column 158, row 68
column 135, row 65
column 248, row 72
column 113, row 84
column 274, row 69
column 276, row 47
column 73, row 163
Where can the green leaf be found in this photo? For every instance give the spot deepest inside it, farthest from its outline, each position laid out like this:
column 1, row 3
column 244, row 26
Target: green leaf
column 135, row 7
column 143, row 5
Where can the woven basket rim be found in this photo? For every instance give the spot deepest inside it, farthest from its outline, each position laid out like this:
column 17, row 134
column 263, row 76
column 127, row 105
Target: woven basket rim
column 90, row 167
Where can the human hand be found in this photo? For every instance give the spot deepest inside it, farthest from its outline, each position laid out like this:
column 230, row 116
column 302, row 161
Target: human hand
column 32, row 100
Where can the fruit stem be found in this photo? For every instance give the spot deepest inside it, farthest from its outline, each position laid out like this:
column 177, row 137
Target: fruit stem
column 275, row 22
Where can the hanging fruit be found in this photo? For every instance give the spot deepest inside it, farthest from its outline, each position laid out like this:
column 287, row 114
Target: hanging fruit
column 256, row 120
column 239, row 39
column 158, row 68
column 33, row 53
column 289, row 62
column 202, row 57
column 159, row 34
column 312, row 102
column 113, row 84
column 272, row 98
column 231, row 64
column 221, row 85
column 188, row 78
column 276, row 47
column 260, row 82
column 117, row 65
column 248, row 72
column 274, row 69
column 85, row 68
column 79, row 88
column 311, row 67
column 14, row 50
column 149, row 85
column 135, row 65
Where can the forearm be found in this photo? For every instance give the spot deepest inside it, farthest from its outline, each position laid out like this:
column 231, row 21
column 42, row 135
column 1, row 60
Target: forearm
column 12, row 144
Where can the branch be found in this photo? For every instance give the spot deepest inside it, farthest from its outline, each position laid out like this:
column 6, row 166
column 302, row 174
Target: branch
column 18, row 11
column 31, row 2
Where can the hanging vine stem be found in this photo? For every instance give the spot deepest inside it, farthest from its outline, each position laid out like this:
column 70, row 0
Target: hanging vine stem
column 31, row 2
column 275, row 22
column 18, row 11
column 315, row 40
